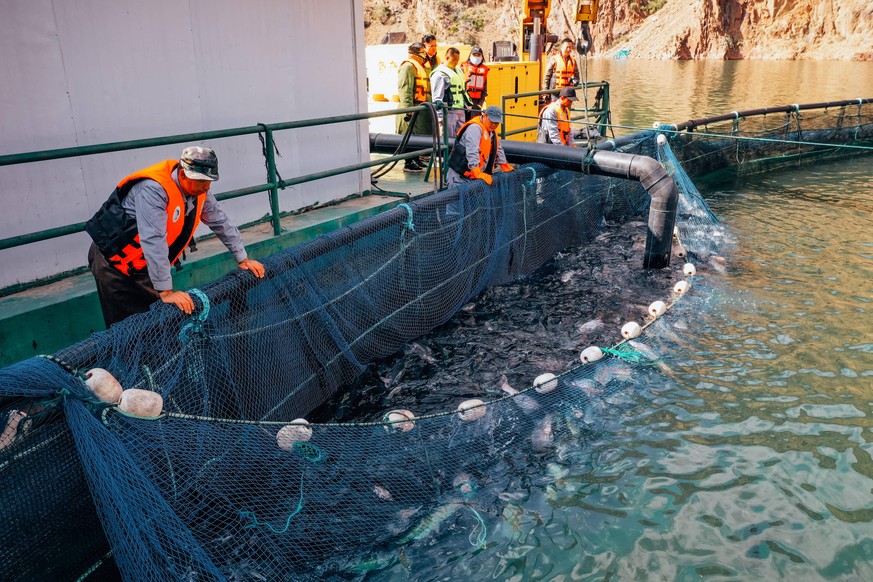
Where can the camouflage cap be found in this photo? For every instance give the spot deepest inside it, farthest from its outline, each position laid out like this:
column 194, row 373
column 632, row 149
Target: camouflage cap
column 416, row 48
column 200, row 163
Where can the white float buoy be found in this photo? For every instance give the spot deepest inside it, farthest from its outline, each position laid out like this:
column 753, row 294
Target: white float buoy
column 657, row 308
column 103, row 386
column 681, row 287
column 689, row 269
column 296, row 432
column 545, row 383
column 679, row 250
column 656, row 125
column 591, row 354
column 143, row 403
column 676, row 231
column 470, row 410
column 662, row 139
column 396, row 418
column 631, row 330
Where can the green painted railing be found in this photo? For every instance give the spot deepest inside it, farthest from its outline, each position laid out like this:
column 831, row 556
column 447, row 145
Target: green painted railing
column 273, row 184
column 599, row 117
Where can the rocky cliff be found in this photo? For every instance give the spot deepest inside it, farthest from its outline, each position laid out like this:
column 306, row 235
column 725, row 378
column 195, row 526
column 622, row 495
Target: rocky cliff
column 651, row 29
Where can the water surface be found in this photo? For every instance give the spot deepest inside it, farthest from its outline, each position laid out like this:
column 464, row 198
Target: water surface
column 755, row 460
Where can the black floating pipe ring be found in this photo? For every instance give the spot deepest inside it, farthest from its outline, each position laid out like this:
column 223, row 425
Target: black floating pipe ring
column 647, row 171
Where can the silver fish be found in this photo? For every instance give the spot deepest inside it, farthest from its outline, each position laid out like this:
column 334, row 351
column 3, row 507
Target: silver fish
column 541, row 437
column 422, row 352
column 431, row 523
column 523, row 401
column 590, row 326
column 586, row 385
column 382, row 493
column 613, row 371
column 652, row 356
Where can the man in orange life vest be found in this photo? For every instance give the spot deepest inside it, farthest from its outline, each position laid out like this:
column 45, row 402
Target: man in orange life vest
column 562, row 69
column 144, row 227
column 413, row 88
column 477, row 150
column 554, row 124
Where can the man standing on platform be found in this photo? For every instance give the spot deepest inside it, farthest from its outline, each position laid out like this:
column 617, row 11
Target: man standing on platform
column 413, row 88
column 448, row 85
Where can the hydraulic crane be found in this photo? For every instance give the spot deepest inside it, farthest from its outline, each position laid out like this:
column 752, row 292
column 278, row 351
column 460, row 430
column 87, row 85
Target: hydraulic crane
column 534, row 28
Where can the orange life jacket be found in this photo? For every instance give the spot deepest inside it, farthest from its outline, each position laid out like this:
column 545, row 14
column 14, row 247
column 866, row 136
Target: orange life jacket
column 477, row 75
column 116, row 235
column 563, row 116
column 487, row 155
column 422, row 82
column 564, row 71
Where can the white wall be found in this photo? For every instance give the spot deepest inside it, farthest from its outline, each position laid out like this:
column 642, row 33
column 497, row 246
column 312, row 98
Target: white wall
column 85, row 72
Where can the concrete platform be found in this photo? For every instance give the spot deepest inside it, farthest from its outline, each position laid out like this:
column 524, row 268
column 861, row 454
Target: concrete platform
column 45, row 319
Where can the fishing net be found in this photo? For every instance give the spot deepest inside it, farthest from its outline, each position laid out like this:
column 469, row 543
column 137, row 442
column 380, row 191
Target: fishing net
column 224, row 484
column 757, row 141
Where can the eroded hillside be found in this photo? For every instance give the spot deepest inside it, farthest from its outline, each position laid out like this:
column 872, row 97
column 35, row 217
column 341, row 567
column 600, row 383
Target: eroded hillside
column 651, row 29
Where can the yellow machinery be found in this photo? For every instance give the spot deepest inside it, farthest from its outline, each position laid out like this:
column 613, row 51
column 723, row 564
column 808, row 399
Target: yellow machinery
column 533, row 26
column 586, row 13
column 510, row 78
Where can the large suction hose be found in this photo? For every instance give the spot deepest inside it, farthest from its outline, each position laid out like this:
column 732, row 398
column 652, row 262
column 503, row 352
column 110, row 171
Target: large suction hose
column 646, row 170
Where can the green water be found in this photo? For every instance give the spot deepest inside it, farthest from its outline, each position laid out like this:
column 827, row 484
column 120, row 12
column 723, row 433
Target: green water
column 644, row 92
column 756, row 461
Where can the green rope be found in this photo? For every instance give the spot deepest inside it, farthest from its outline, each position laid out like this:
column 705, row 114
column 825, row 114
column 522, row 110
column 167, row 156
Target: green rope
column 589, row 158
column 409, row 226
column 94, row 566
column 307, row 452
column 66, row 366
column 533, row 179
column 251, row 515
column 626, row 353
column 478, row 536
column 195, row 326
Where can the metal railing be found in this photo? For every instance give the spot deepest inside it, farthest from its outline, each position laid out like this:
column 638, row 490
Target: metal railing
column 598, row 117
column 272, row 185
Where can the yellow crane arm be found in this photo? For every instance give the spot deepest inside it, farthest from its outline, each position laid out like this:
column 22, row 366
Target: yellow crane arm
column 586, row 13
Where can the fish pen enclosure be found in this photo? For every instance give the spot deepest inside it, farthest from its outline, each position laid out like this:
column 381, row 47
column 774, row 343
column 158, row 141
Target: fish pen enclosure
column 221, row 478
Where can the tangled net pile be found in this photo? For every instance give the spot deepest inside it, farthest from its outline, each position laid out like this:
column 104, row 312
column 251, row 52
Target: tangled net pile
column 225, row 485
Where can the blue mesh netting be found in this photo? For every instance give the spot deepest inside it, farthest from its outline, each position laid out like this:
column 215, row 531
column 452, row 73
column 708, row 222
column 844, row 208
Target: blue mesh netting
column 204, row 492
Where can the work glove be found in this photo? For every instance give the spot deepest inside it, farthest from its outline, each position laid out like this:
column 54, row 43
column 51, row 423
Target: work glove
column 507, row 167
column 478, row 174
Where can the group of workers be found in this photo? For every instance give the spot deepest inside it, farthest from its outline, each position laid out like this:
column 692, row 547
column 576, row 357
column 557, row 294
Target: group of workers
column 422, row 78
column 149, row 220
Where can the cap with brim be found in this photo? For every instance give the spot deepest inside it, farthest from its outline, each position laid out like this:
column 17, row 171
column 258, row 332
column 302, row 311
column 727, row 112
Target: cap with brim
column 493, row 113
column 475, row 51
column 199, row 163
column 569, row 93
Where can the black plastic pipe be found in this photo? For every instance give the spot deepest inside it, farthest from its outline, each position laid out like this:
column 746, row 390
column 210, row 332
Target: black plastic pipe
column 645, row 170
